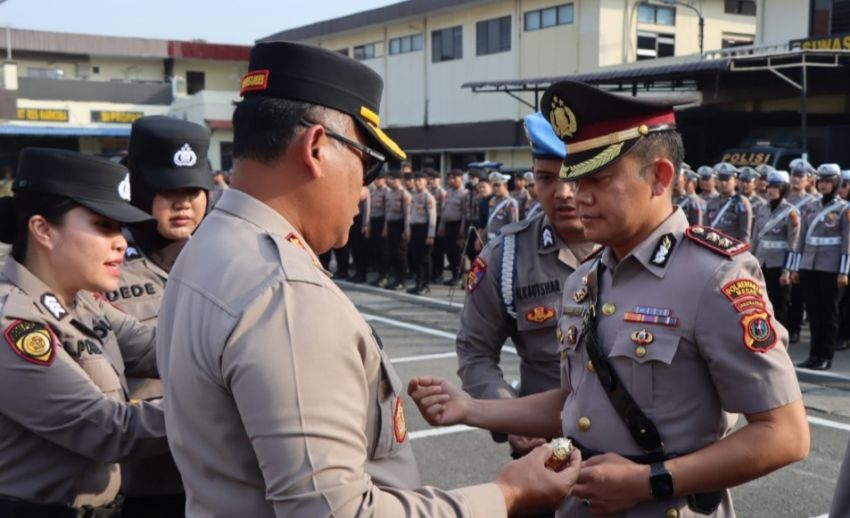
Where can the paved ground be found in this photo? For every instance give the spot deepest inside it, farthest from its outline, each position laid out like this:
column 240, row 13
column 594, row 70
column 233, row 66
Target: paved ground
column 418, row 334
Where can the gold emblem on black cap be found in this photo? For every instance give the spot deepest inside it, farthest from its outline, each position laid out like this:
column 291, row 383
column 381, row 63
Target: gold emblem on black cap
column 562, row 118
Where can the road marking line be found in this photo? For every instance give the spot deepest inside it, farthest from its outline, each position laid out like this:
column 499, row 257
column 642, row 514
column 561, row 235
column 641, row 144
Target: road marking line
column 821, row 374
column 423, row 357
column 419, row 329
column 403, row 296
column 829, row 424
column 435, row 432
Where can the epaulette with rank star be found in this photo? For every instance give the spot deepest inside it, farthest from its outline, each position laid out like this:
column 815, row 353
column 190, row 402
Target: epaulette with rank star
column 717, row 241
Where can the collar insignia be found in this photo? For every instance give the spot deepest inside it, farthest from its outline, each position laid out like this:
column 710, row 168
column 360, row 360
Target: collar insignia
column 661, row 254
column 53, row 306
column 547, row 237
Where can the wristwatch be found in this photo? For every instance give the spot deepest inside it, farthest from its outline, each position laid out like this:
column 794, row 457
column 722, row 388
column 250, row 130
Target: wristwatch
column 660, row 481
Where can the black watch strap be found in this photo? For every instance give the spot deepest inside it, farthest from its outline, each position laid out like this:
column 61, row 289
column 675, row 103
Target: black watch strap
column 660, row 481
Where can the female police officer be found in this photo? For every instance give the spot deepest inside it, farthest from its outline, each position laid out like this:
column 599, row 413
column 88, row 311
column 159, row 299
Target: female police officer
column 64, row 416
column 171, row 179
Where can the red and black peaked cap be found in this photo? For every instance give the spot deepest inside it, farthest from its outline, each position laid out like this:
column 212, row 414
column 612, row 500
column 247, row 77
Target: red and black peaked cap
column 600, row 127
column 319, row 76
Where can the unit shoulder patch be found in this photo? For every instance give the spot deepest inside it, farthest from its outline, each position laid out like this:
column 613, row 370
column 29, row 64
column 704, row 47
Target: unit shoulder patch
column 31, row 341
column 476, row 274
column 716, row 241
column 759, row 333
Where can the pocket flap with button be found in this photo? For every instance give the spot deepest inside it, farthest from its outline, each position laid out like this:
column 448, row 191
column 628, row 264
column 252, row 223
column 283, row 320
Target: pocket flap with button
column 646, row 345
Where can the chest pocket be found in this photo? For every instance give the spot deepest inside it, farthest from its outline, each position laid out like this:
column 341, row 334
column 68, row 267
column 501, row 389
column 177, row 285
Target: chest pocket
column 639, row 358
column 538, row 313
column 392, row 433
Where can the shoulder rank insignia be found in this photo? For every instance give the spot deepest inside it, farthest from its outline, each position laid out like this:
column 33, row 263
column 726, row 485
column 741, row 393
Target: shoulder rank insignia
column 716, row 240
column 476, row 274
column 31, row 341
column 53, row 306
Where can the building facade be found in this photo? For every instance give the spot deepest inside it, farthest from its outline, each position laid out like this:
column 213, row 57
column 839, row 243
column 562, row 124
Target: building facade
column 427, row 49
column 83, row 92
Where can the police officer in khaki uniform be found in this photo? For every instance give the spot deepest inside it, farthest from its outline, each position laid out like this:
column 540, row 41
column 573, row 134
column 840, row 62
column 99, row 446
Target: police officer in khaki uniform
column 664, row 335
column 377, row 218
column 271, row 411
column 761, row 183
column 690, row 203
column 64, row 411
column 423, row 228
column 730, row 212
column 438, row 252
column 452, row 225
column 520, row 193
column 823, row 264
column 503, row 208
column 749, row 178
column 707, row 183
column 169, row 174
column 514, row 288
column 775, row 241
column 397, row 228
column 533, row 202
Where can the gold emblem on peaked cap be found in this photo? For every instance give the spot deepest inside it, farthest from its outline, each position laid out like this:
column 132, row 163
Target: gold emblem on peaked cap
column 562, row 119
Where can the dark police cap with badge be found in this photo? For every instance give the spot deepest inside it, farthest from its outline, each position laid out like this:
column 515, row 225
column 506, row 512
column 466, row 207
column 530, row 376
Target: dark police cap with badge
column 97, row 184
column 599, row 127
column 323, row 77
column 169, row 154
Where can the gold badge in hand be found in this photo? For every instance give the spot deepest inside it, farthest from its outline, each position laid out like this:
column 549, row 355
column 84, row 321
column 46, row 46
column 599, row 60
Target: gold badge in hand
column 561, row 450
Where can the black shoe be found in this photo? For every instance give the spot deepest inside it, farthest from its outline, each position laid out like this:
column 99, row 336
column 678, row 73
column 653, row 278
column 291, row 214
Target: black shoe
column 808, row 363
column 437, row 278
column 419, row 290
column 453, row 281
column 821, row 365
column 396, row 286
column 841, row 345
column 794, row 338
column 358, row 279
column 380, row 282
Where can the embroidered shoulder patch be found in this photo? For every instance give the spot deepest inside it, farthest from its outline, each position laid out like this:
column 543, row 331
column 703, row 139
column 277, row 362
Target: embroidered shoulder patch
column 759, row 334
column 740, row 288
column 31, row 341
column 540, row 314
column 476, row 274
column 716, row 240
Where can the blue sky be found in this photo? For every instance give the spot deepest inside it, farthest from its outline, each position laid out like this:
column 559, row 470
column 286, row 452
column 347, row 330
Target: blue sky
column 240, row 22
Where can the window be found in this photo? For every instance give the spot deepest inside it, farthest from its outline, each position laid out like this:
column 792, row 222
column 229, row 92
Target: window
column 747, row 7
column 729, row 40
column 492, row 36
column 194, row 82
column 226, row 149
column 447, row 44
column 656, row 14
column 368, row 51
column 549, row 17
column 651, row 45
column 344, row 51
column 830, row 17
column 45, row 73
column 406, row 44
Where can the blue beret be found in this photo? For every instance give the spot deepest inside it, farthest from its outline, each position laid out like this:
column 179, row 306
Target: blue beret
column 541, row 136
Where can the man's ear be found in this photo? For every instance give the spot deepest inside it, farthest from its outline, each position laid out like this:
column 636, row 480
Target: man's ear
column 663, row 174
column 310, row 149
column 40, row 231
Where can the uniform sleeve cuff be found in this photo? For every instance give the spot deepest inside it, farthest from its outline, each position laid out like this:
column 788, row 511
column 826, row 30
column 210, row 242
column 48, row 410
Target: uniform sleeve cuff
column 483, row 501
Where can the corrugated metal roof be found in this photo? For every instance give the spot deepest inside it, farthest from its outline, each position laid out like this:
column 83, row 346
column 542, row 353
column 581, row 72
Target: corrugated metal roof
column 67, row 43
column 631, row 73
column 372, row 17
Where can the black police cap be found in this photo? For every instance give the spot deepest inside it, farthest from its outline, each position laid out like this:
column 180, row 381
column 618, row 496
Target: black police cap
column 98, row 184
column 170, row 153
column 395, row 173
column 600, row 127
column 319, row 76
column 420, row 174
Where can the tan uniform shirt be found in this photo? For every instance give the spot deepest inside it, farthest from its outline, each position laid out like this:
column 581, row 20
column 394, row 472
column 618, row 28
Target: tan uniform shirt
column 777, row 235
column 378, row 202
column 514, row 291
column 64, row 416
column 825, row 236
column 711, row 348
column 398, row 207
column 454, row 209
column 440, row 196
column 270, row 410
column 692, row 205
column 731, row 215
column 424, row 210
column 522, row 198
column 503, row 212
column 139, row 294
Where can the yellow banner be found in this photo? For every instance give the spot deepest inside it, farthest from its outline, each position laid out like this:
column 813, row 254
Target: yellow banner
column 42, row 115
column 115, row 117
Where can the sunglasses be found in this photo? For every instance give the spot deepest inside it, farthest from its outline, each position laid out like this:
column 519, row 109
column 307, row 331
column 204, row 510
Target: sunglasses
column 373, row 161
